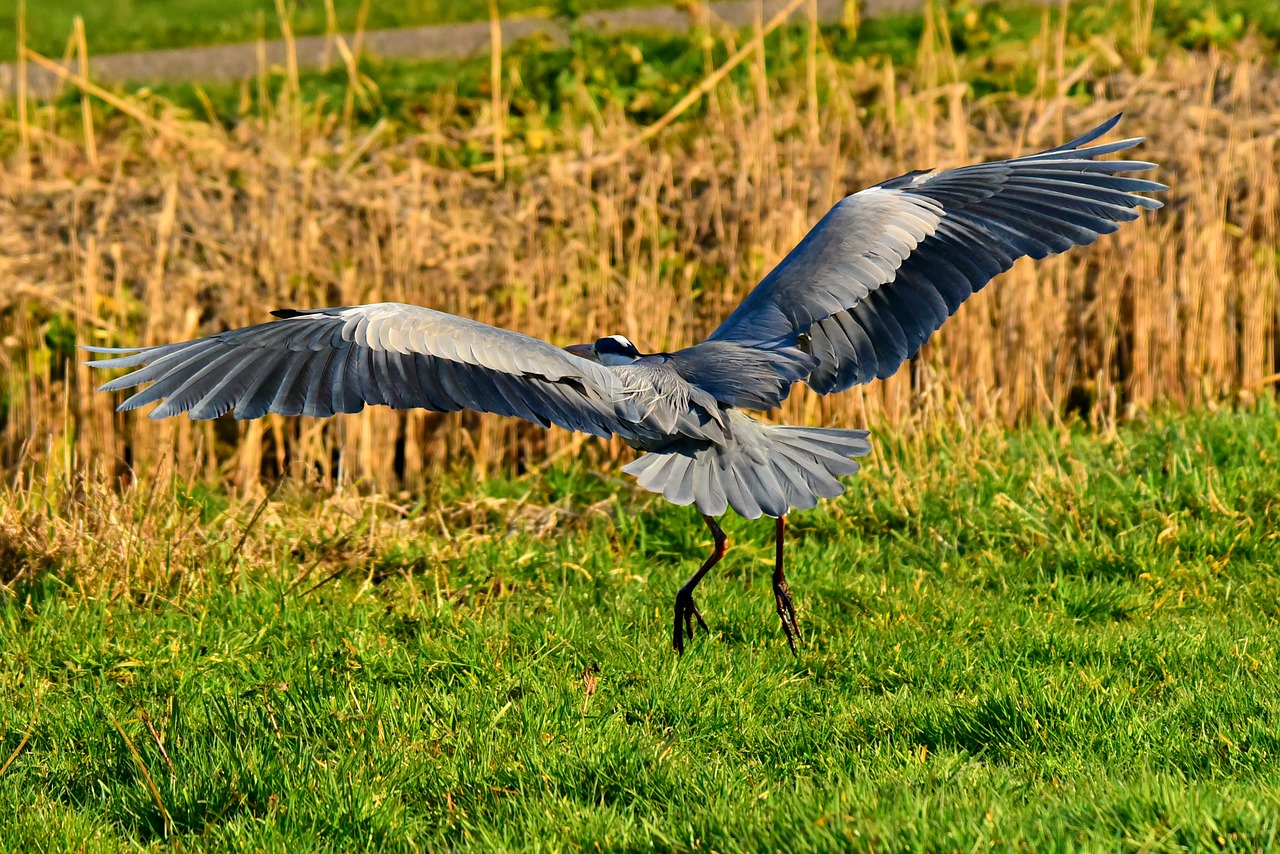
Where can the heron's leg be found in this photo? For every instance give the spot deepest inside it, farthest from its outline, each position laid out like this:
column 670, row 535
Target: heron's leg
column 686, row 611
column 781, row 593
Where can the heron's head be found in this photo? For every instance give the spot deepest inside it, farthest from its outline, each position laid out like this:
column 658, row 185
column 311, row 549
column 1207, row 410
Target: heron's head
column 611, row 351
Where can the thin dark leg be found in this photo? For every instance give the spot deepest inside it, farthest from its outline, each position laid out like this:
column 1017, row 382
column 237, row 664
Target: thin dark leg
column 686, row 611
column 781, row 593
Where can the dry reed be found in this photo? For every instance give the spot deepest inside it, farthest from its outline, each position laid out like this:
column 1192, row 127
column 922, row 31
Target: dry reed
column 175, row 228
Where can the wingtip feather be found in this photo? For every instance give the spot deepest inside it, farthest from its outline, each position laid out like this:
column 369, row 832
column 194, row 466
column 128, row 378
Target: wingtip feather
column 93, row 348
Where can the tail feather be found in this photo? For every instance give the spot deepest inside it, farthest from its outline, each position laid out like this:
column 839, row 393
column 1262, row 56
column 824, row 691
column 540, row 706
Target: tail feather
column 798, row 493
column 653, row 475
column 762, row 469
column 741, row 498
column 831, row 462
column 679, row 474
column 705, row 484
column 818, row 482
column 773, row 498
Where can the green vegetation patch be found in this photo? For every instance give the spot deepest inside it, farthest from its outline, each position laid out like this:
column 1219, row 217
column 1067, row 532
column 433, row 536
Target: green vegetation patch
column 129, row 25
column 1046, row 639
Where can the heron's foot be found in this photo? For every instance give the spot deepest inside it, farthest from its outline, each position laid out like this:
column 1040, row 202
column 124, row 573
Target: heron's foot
column 686, row 613
column 786, row 612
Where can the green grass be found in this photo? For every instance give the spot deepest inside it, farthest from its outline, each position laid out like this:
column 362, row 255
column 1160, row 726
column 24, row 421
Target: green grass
column 1047, row 639
column 148, row 24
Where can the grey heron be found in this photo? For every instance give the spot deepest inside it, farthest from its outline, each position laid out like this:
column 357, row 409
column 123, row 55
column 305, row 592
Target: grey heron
column 859, row 295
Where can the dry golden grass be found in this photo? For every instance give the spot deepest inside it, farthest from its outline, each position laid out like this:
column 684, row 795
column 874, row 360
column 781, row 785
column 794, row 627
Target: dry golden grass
column 173, row 228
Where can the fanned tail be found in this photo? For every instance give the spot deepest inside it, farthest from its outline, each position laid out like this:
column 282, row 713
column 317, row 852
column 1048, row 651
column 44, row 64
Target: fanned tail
column 763, row 469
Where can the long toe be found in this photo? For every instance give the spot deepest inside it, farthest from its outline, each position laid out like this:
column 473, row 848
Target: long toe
column 681, row 632
column 787, row 614
column 686, row 611
column 697, row 615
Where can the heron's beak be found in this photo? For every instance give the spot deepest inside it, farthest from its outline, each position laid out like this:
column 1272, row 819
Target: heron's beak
column 582, row 351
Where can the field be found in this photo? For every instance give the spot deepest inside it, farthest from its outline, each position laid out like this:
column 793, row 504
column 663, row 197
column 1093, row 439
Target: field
column 1042, row 617
column 1047, row 638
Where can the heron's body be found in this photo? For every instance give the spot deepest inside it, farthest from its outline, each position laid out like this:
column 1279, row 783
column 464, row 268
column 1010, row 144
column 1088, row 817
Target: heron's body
column 857, row 297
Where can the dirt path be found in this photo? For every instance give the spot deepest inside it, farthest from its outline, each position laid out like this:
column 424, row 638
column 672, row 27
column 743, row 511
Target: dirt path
column 446, row 41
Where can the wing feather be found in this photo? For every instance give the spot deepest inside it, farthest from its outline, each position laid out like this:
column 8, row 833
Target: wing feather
column 323, row 361
column 882, row 271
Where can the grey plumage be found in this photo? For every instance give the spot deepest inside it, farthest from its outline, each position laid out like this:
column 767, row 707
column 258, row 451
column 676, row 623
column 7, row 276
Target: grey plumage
column 860, row 294
column 883, row 270
column 763, row 469
column 334, row 360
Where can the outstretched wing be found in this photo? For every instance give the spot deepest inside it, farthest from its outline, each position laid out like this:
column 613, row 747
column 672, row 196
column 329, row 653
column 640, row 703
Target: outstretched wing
column 887, row 266
column 332, row 360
